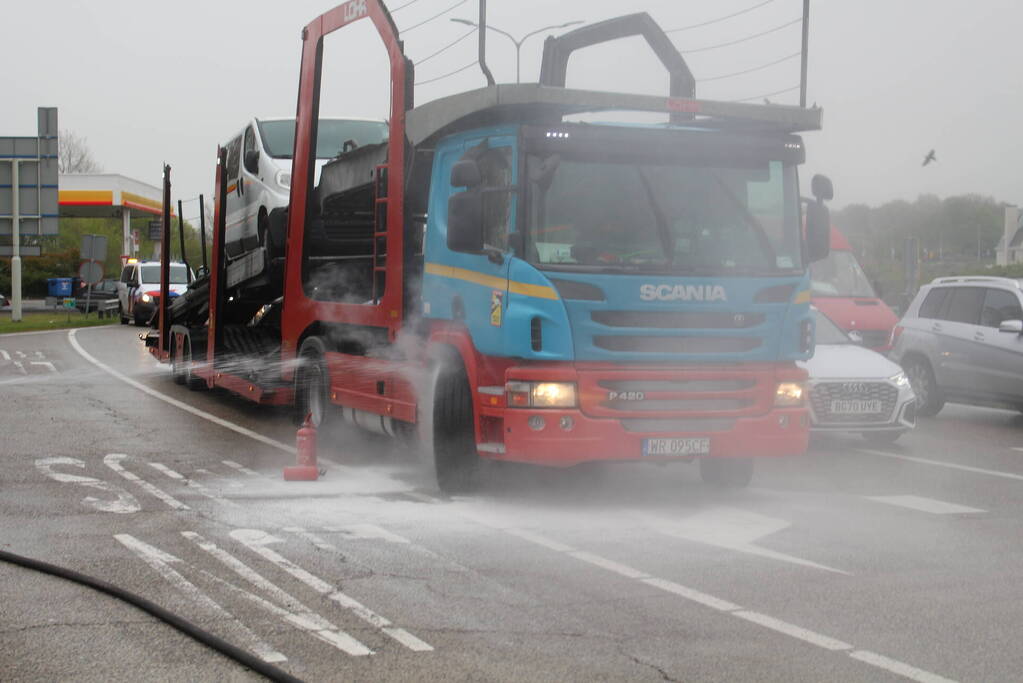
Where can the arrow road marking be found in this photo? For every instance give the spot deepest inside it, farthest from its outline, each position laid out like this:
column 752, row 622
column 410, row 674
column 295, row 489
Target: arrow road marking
column 732, row 529
column 113, row 461
column 44, row 363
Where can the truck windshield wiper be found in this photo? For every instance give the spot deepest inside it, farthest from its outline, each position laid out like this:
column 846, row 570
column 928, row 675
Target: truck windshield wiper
column 765, row 242
column 667, row 239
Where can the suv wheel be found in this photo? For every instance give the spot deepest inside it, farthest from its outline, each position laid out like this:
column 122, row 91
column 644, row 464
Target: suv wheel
column 929, row 400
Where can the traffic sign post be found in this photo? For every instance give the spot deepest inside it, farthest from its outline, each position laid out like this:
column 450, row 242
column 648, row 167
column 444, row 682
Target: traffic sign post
column 94, row 253
column 32, row 198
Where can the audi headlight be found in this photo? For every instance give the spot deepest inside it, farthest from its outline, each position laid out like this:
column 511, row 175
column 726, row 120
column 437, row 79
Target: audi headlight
column 900, row 380
column 146, row 299
column 283, row 178
column 541, row 394
column 789, row 394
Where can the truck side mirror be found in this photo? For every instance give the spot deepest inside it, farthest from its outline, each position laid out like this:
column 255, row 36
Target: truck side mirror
column 252, row 161
column 465, row 221
column 818, row 231
column 466, row 173
column 821, row 188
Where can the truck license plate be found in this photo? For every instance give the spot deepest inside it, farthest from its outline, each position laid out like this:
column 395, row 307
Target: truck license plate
column 678, row 447
column 855, row 407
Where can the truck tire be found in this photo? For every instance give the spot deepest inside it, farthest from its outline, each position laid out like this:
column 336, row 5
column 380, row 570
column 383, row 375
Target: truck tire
column 312, row 385
column 455, row 459
column 733, row 473
column 192, row 381
column 929, row 399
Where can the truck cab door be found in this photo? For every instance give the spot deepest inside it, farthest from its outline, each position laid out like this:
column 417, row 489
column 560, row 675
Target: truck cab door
column 473, row 286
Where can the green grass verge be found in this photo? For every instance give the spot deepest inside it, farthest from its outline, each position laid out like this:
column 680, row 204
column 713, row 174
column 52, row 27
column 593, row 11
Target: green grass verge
column 51, row 320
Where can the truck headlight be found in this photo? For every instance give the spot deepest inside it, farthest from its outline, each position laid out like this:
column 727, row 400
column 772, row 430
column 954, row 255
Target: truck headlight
column 900, row 379
column 541, row 394
column 789, row 394
column 283, row 178
column 146, row 299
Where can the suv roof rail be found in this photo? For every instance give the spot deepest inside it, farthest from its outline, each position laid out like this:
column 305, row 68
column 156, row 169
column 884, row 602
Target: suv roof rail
column 976, row 278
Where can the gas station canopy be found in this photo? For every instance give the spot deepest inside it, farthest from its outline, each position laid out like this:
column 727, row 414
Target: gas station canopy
column 106, row 195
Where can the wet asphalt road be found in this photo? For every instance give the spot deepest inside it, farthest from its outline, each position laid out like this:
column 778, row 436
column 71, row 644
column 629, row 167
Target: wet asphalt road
column 847, row 564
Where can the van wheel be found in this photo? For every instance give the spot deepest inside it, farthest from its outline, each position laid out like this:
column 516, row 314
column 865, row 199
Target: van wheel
column 312, row 385
column 733, row 473
column 456, row 462
column 929, row 400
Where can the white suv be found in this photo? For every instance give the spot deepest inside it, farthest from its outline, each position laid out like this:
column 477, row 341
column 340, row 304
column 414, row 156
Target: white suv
column 961, row 340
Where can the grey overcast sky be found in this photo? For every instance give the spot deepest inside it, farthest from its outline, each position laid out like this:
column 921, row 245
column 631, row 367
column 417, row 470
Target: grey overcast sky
column 147, row 82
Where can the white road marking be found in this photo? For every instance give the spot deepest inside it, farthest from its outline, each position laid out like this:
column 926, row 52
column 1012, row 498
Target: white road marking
column 40, row 355
column 287, row 448
column 421, row 497
column 896, row 667
column 194, row 485
column 297, row 615
column 5, row 355
column 241, row 468
column 256, row 541
column 358, row 532
column 125, row 503
column 732, row 529
column 794, row 631
column 113, row 461
column 20, row 354
column 727, row 607
column 939, row 463
column 161, row 561
column 44, row 363
column 540, row 540
column 21, row 367
column 937, row 507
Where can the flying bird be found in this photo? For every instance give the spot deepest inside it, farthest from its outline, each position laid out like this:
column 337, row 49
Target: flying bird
column 929, row 158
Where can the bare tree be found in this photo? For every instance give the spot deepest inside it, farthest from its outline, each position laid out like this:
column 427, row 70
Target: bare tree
column 74, row 155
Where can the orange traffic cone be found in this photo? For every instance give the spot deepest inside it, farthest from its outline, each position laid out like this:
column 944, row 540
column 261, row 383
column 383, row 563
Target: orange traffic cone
column 305, row 445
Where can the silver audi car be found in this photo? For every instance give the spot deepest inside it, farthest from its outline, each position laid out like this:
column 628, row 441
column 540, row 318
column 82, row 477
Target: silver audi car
column 854, row 389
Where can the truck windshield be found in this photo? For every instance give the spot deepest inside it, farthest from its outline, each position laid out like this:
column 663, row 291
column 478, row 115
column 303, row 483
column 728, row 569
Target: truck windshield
column 840, row 274
column 701, row 219
column 332, row 134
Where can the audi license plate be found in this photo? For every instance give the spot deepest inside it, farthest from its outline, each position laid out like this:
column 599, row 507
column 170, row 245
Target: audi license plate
column 677, row 447
column 852, row 406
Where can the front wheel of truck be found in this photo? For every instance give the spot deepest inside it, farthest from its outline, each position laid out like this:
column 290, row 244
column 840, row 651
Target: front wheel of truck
column 733, row 473
column 455, row 460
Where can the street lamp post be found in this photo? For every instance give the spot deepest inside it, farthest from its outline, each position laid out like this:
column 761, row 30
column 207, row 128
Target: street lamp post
column 518, row 43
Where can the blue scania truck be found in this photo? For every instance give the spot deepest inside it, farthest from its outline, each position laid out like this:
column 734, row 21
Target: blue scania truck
column 510, row 284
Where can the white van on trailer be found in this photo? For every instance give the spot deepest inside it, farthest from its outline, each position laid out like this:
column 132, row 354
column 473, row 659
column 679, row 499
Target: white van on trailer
column 259, row 181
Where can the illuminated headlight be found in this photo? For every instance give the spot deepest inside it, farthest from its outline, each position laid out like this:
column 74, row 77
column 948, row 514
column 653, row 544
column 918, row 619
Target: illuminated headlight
column 283, row 178
column 146, row 299
column 789, row 394
column 541, row 394
column 900, row 380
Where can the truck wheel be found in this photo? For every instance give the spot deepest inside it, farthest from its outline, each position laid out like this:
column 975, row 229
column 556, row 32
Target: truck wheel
column 455, row 460
column 733, row 473
column 312, row 384
column 177, row 361
column 929, row 400
column 192, row 381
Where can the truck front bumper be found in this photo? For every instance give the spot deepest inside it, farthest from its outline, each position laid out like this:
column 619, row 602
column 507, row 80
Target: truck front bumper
column 563, row 438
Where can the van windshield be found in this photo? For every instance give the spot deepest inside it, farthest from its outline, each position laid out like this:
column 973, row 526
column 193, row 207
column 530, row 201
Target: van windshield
column 840, row 275
column 279, row 136
column 178, row 274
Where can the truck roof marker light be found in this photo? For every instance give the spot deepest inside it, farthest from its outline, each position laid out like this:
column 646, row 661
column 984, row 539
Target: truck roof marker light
column 556, row 134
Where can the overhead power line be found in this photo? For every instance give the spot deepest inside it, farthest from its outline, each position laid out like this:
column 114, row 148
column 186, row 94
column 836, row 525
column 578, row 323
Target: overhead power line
column 401, row 7
column 748, row 71
column 743, row 40
column 450, row 73
column 435, row 16
column 446, row 47
column 714, row 21
column 768, row 94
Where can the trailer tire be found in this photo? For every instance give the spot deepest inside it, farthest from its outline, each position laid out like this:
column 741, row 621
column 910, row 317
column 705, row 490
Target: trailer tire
column 312, row 385
column 733, row 473
column 455, row 459
column 177, row 352
column 192, row 381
